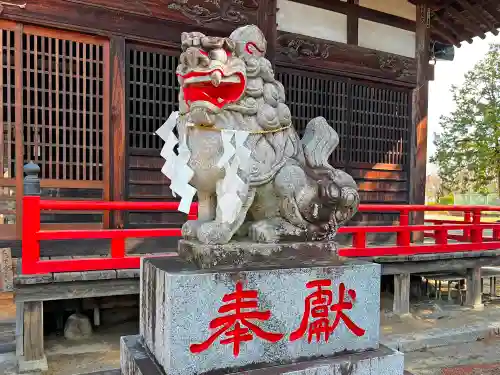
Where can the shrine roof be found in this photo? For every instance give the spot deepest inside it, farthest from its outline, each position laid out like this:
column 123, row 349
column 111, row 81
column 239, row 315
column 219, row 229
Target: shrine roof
column 457, row 21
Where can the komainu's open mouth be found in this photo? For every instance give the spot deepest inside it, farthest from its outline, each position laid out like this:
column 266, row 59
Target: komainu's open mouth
column 213, row 87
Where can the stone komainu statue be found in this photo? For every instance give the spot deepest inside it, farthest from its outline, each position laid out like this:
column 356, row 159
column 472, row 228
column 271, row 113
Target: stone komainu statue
column 290, row 190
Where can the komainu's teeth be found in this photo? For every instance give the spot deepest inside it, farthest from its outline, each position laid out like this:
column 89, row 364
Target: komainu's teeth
column 216, row 78
column 196, row 79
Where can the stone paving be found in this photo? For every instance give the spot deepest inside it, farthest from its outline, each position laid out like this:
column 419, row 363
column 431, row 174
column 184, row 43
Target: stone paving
column 475, row 358
column 435, row 323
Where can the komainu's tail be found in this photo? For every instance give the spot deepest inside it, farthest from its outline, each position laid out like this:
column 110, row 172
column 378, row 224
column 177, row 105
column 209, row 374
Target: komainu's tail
column 318, row 143
column 337, row 188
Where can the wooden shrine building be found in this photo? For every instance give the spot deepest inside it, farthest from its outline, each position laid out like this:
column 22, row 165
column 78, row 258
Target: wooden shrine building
column 85, row 84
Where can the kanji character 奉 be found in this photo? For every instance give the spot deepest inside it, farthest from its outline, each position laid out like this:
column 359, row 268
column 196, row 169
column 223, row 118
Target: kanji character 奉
column 318, row 304
column 237, row 326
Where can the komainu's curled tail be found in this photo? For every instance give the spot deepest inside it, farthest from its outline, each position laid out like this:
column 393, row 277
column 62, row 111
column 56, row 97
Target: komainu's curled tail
column 319, row 142
column 337, row 190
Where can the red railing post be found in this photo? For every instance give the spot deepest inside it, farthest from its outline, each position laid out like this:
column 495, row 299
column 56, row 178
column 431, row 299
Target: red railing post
column 193, row 212
column 403, row 238
column 476, row 233
column 467, row 219
column 31, row 227
column 496, row 234
column 359, row 240
column 441, row 236
column 117, row 247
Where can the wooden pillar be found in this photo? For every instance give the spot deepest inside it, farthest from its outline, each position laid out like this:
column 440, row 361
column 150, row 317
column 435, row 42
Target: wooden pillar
column 420, row 100
column 401, row 304
column 118, row 125
column 474, row 292
column 19, row 147
column 267, row 23
column 33, row 358
column 352, row 22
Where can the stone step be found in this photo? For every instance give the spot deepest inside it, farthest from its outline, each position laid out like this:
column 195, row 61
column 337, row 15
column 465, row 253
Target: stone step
column 137, row 360
column 8, row 346
column 181, row 302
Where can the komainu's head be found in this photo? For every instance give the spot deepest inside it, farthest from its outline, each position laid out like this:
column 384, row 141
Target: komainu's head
column 230, row 74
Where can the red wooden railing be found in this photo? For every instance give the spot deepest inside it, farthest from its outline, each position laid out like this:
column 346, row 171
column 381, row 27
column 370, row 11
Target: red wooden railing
column 32, row 234
column 467, row 218
column 471, row 240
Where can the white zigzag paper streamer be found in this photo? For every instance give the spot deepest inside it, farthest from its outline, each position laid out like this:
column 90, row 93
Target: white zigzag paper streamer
column 228, row 149
column 176, row 167
column 242, row 153
column 232, row 160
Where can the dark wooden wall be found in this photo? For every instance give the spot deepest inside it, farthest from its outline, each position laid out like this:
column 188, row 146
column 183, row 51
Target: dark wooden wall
column 364, row 94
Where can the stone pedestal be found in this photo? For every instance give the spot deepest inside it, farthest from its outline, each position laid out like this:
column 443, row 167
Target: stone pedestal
column 318, row 315
column 136, row 359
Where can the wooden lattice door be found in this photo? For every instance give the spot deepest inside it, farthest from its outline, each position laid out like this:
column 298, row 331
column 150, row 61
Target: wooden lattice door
column 313, row 94
column 55, row 112
column 379, row 125
column 152, row 94
column 66, row 117
column 64, row 106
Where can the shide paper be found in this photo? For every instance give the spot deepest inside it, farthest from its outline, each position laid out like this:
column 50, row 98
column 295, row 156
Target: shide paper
column 176, row 167
column 233, row 159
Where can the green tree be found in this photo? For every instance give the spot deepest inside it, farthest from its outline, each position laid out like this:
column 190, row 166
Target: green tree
column 468, row 147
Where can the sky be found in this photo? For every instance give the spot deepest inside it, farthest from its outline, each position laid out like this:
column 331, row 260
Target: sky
column 447, row 73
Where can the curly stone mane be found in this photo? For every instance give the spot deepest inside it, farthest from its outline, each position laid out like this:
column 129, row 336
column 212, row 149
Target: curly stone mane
column 264, row 96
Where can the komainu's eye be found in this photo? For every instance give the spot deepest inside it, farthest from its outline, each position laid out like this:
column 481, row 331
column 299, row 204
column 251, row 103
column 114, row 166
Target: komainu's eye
column 219, row 54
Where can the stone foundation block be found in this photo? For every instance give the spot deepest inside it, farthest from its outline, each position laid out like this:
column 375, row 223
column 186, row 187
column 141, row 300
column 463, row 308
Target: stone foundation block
column 195, row 321
column 32, row 366
column 137, row 360
column 247, row 254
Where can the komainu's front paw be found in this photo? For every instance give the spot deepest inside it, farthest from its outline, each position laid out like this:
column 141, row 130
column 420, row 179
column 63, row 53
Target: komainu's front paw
column 214, row 233
column 263, row 231
column 190, row 229
column 274, row 230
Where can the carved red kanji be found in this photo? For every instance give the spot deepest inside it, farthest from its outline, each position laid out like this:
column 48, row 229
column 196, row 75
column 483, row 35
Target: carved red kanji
column 317, row 306
column 237, row 326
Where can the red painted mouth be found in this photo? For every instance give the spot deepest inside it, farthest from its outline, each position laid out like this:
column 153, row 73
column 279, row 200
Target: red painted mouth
column 213, row 87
